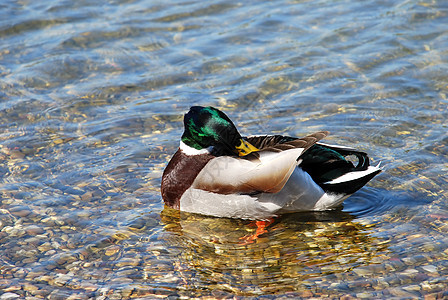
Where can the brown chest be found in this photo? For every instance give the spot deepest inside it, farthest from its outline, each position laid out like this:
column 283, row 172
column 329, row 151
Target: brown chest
column 179, row 175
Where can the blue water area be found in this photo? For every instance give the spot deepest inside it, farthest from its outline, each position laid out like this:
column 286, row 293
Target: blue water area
column 92, row 97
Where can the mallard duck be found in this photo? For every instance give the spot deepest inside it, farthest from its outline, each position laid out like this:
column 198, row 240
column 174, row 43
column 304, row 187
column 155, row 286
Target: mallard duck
column 218, row 172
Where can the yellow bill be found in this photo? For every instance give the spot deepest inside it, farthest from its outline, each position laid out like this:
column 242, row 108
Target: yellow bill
column 245, row 148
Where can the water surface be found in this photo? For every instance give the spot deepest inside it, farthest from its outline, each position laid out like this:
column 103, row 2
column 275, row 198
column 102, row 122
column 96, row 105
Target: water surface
column 91, row 104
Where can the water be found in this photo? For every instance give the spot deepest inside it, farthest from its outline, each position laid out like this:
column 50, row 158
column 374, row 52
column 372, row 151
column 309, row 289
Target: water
column 92, row 97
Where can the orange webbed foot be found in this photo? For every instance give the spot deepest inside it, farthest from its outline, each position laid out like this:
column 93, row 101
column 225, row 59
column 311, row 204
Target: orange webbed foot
column 261, row 228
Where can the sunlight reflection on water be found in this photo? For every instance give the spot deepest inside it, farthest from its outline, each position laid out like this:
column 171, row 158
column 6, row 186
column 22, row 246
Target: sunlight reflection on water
column 92, row 98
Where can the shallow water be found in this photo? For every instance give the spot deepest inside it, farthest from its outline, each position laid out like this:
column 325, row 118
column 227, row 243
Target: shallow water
column 92, row 97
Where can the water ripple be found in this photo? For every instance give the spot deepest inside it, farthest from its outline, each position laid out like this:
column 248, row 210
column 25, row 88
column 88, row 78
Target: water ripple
column 374, row 202
column 92, row 95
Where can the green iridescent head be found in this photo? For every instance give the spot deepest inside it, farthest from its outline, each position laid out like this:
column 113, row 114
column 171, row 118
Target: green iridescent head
column 208, row 126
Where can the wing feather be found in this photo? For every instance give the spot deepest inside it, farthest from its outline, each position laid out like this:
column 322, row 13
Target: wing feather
column 268, row 171
column 277, row 143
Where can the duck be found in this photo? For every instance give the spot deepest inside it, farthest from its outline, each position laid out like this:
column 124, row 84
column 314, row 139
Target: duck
column 217, row 172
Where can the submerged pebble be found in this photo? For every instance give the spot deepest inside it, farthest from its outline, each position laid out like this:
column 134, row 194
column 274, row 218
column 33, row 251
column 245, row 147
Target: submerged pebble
column 90, row 119
column 9, row 295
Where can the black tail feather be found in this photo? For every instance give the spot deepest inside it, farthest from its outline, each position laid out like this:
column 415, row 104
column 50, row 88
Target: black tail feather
column 325, row 163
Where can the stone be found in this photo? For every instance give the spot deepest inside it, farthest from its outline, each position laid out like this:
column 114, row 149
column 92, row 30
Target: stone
column 430, row 268
column 9, row 295
column 33, row 230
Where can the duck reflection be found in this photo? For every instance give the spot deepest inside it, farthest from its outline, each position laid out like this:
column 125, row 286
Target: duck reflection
column 293, row 250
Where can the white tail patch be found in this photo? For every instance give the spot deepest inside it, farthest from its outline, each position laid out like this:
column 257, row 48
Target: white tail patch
column 337, row 146
column 354, row 175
